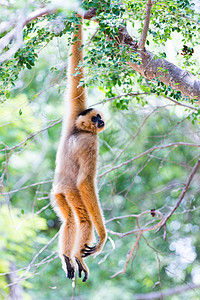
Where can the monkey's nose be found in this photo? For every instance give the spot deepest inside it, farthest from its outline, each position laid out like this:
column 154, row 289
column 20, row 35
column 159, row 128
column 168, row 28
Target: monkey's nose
column 100, row 123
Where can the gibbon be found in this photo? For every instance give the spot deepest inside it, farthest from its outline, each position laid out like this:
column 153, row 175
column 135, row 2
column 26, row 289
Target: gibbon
column 74, row 193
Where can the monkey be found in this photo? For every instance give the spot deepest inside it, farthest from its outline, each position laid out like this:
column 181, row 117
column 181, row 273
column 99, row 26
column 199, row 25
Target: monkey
column 74, row 194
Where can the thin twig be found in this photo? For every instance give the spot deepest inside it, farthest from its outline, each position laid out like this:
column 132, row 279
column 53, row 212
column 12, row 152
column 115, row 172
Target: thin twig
column 140, row 230
column 167, row 293
column 147, row 94
column 37, row 265
column 32, row 216
column 118, row 97
column 33, row 260
column 16, row 33
column 27, row 186
column 128, row 216
column 146, row 152
column 182, row 104
column 129, row 256
column 32, row 135
column 138, row 131
column 32, row 16
column 184, row 190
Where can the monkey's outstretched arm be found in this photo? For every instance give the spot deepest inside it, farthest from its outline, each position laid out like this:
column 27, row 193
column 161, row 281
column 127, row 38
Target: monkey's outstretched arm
column 88, row 194
column 76, row 91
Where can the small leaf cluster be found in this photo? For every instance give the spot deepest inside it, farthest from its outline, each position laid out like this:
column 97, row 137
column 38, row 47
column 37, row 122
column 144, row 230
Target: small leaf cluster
column 172, row 17
column 161, row 89
column 195, row 116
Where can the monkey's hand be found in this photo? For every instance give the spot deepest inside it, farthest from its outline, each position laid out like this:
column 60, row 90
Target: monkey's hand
column 88, row 250
column 95, row 249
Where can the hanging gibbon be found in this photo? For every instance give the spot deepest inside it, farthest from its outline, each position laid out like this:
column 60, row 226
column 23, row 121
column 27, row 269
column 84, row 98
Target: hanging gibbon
column 74, row 192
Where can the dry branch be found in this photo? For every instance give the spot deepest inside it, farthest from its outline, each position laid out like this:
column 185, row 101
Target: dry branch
column 16, row 32
column 147, row 152
column 134, row 248
column 32, row 263
column 27, row 186
column 32, row 135
column 139, row 232
column 181, row 197
column 167, row 293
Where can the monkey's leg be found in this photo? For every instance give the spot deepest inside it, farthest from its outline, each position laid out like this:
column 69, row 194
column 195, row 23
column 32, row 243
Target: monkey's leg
column 89, row 197
column 67, row 237
column 85, row 229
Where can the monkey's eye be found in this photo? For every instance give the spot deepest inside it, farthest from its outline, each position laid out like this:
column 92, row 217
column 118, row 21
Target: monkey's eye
column 98, row 116
column 94, row 119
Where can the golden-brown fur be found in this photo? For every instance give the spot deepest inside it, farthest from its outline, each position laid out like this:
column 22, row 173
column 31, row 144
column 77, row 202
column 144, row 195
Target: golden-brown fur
column 74, row 194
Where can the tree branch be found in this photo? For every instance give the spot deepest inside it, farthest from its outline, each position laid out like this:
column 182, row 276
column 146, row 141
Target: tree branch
column 130, row 254
column 16, row 32
column 118, row 97
column 186, row 186
column 146, row 152
column 178, row 79
column 143, row 38
column 32, row 16
column 182, row 104
column 139, row 232
column 90, row 14
column 32, row 135
column 33, row 260
column 27, row 186
column 167, row 293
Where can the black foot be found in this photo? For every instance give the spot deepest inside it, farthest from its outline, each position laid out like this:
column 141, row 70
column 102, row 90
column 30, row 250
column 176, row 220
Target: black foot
column 70, row 268
column 88, row 250
column 80, row 269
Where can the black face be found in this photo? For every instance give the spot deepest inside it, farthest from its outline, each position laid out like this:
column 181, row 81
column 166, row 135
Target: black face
column 97, row 119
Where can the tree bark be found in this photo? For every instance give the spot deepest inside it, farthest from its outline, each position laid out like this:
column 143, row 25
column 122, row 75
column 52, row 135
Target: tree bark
column 176, row 78
column 151, row 68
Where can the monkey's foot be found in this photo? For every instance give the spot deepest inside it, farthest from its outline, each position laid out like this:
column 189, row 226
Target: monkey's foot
column 88, row 250
column 80, row 269
column 70, row 268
